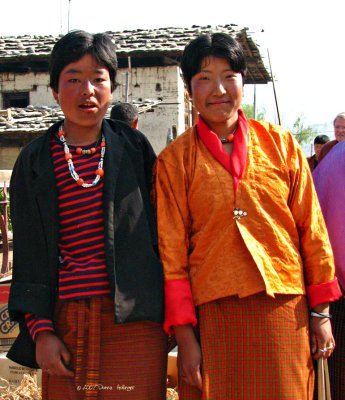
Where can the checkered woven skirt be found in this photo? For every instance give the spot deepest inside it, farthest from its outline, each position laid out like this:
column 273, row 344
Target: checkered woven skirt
column 110, row 361
column 254, row 348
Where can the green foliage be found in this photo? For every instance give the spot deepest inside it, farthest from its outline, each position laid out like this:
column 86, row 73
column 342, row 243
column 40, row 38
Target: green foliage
column 248, row 110
column 303, row 134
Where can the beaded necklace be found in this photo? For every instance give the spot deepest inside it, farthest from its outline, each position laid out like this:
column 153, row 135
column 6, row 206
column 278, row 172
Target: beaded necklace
column 68, row 157
column 229, row 138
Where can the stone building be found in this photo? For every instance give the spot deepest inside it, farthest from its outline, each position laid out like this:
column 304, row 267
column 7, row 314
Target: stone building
column 149, row 75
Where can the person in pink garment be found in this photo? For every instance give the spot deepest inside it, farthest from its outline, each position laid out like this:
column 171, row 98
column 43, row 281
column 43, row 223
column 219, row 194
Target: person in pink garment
column 329, row 179
column 339, row 133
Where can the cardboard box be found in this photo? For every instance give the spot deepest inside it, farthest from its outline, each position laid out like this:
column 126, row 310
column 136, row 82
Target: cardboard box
column 14, row 372
column 9, row 330
column 172, row 369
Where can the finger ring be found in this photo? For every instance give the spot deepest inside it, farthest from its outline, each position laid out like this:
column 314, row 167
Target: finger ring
column 324, row 350
column 330, row 346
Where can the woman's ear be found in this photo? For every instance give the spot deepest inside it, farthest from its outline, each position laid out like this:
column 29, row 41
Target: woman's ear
column 56, row 96
column 189, row 90
column 188, row 94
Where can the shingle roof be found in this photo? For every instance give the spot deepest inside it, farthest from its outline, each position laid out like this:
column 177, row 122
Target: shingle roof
column 37, row 119
column 12, row 47
column 167, row 42
column 144, row 40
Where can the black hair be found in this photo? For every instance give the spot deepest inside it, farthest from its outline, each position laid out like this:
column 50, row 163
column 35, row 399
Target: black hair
column 219, row 45
column 125, row 112
column 76, row 44
column 321, row 139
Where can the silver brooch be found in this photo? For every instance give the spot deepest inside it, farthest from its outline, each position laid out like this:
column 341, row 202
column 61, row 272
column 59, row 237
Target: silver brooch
column 238, row 213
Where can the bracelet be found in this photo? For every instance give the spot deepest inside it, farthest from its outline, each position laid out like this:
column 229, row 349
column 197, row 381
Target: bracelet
column 320, row 314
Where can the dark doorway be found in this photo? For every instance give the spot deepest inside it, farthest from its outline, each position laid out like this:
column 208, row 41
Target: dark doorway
column 16, row 99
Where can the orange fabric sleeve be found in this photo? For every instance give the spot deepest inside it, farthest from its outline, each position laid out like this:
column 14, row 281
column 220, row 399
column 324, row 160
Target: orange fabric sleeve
column 173, row 220
column 173, row 239
column 303, row 202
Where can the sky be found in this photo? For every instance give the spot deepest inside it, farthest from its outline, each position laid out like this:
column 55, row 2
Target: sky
column 305, row 41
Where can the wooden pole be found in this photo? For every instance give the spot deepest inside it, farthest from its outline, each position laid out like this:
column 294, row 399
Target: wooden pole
column 274, row 88
column 61, row 18
column 4, row 233
column 126, row 87
column 69, row 8
column 128, row 79
column 254, row 105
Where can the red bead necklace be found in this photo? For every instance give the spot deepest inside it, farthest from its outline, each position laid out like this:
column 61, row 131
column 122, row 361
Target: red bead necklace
column 229, row 138
column 68, row 157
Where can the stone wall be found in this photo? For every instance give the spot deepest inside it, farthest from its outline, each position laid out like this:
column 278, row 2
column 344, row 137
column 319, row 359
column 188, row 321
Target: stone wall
column 35, row 83
column 162, row 83
column 8, row 155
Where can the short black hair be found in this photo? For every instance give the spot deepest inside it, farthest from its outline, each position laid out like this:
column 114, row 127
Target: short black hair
column 125, row 112
column 75, row 45
column 321, row 139
column 219, row 45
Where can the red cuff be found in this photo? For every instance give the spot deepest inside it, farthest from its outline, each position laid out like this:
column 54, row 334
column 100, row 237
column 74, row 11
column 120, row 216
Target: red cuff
column 323, row 293
column 179, row 305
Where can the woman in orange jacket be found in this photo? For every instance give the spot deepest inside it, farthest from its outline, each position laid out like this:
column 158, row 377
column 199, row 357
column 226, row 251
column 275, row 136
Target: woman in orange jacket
column 248, row 267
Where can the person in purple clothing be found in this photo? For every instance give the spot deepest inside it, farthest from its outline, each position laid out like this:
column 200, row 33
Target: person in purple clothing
column 329, row 179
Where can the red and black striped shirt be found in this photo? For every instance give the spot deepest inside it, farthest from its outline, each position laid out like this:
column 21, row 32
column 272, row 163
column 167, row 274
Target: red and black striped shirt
column 82, row 269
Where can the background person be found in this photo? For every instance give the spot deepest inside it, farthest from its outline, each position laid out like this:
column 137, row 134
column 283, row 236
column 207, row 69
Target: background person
column 339, row 133
column 319, row 142
column 242, row 239
column 87, row 283
column 329, row 179
column 125, row 112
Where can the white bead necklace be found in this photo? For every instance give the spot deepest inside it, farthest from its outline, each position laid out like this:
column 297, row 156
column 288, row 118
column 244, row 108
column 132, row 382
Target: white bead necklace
column 68, row 157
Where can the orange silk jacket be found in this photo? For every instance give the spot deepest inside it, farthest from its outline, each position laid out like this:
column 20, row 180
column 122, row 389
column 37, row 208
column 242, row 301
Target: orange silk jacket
column 268, row 236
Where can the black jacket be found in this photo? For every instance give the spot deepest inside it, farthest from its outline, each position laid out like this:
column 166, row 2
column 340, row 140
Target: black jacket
column 134, row 269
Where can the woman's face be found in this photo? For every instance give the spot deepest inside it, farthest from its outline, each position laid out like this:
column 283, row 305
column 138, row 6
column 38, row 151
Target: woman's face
column 339, row 129
column 217, row 93
column 84, row 92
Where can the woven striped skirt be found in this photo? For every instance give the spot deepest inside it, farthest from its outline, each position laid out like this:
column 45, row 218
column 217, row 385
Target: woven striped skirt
column 110, row 361
column 254, row 348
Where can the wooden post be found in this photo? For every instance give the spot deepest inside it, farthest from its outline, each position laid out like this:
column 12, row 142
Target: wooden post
column 128, row 79
column 69, row 11
column 4, row 234
column 274, row 88
column 254, row 105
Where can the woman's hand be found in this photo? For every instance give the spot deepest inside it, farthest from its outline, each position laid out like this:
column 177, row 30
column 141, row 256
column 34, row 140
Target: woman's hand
column 52, row 355
column 322, row 340
column 189, row 355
